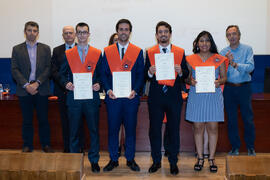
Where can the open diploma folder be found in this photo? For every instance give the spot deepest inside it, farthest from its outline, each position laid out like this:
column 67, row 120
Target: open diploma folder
column 205, row 77
column 122, row 84
column 82, row 86
column 164, row 66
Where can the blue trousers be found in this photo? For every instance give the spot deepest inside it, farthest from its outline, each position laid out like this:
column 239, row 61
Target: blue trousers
column 90, row 109
column 233, row 98
column 28, row 104
column 122, row 110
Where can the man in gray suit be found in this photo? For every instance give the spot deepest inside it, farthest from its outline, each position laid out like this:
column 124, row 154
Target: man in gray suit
column 30, row 67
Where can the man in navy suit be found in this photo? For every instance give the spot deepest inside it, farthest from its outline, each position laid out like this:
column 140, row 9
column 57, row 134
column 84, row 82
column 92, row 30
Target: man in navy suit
column 83, row 58
column 59, row 90
column 127, row 57
column 30, row 67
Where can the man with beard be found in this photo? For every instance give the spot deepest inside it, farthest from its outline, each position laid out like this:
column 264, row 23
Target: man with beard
column 122, row 56
column 165, row 98
column 30, row 67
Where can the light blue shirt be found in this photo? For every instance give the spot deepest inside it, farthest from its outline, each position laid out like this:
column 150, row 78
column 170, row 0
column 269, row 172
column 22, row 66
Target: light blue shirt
column 32, row 52
column 243, row 56
column 67, row 46
column 80, row 51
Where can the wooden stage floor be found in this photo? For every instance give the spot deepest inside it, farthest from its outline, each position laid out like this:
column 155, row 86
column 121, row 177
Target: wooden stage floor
column 185, row 164
column 237, row 166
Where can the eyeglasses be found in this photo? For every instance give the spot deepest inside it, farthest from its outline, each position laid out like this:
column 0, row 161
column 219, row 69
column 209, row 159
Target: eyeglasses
column 82, row 33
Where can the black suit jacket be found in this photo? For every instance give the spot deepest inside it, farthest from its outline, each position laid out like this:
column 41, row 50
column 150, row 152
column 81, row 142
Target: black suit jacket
column 21, row 68
column 57, row 60
column 174, row 92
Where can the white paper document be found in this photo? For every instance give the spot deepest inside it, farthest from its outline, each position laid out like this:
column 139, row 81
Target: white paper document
column 122, row 84
column 82, row 86
column 164, row 66
column 205, row 77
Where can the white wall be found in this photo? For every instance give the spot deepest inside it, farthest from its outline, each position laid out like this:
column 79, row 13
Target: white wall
column 187, row 17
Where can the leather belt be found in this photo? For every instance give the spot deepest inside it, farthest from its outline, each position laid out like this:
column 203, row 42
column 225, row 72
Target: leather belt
column 236, row 84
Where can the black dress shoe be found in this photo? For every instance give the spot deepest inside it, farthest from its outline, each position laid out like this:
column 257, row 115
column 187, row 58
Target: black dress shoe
column 133, row 165
column 48, row 149
column 26, row 149
column 166, row 154
column 82, row 150
column 119, row 151
column 110, row 166
column 174, row 169
column 95, row 167
column 154, row 167
column 66, row 150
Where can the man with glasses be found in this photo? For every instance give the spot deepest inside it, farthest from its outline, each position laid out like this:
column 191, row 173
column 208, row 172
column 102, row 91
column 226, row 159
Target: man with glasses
column 165, row 98
column 30, row 67
column 60, row 91
column 83, row 58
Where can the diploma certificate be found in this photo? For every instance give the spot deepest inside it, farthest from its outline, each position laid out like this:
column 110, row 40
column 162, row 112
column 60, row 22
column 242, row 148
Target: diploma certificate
column 164, row 66
column 122, row 84
column 82, row 86
column 205, row 77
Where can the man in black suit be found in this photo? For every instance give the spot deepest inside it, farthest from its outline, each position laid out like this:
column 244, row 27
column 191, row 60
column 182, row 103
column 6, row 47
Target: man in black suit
column 30, row 67
column 59, row 90
column 165, row 97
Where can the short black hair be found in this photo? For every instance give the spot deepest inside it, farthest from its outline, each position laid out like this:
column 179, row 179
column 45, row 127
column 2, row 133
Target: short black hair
column 234, row 26
column 163, row 23
column 82, row 24
column 31, row 23
column 123, row 21
column 213, row 48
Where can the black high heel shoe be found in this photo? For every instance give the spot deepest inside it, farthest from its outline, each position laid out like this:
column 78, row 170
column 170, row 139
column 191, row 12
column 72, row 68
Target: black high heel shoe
column 213, row 168
column 199, row 164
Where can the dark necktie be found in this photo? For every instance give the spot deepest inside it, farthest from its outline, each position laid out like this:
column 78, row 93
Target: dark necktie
column 69, row 47
column 122, row 53
column 164, row 50
column 164, row 88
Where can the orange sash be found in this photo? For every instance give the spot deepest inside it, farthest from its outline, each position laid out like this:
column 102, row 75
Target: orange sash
column 178, row 55
column 129, row 59
column 89, row 64
column 215, row 60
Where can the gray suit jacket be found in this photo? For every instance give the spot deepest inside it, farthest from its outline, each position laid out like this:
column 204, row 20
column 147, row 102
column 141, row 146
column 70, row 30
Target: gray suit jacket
column 21, row 68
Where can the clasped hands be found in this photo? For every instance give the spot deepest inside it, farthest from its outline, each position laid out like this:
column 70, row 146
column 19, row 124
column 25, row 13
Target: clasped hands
column 32, row 88
column 229, row 55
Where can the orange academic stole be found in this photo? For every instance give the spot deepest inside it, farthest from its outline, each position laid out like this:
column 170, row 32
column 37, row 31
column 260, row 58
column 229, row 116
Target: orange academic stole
column 178, row 55
column 129, row 59
column 89, row 64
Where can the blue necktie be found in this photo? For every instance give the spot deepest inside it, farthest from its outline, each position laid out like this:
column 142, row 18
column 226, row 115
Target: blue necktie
column 164, row 88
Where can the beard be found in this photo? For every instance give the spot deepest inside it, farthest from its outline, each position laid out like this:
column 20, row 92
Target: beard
column 163, row 39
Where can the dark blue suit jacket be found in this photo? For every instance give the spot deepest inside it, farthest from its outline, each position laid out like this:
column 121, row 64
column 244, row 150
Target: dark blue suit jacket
column 137, row 74
column 67, row 76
